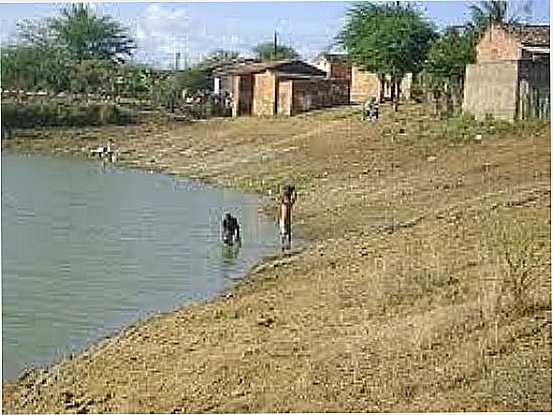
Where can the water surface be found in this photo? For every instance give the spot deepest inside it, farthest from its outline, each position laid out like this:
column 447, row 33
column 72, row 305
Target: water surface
column 87, row 250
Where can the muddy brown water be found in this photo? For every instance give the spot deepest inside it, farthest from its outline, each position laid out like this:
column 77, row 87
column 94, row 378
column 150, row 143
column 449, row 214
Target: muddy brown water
column 87, row 250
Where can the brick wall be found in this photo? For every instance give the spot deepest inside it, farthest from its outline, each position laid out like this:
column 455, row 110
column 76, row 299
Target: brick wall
column 367, row 84
column 264, row 97
column 297, row 96
column 340, row 70
column 497, row 44
column 242, row 91
column 285, row 89
column 363, row 85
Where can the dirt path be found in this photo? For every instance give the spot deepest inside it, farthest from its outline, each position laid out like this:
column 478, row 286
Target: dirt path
column 404, row 300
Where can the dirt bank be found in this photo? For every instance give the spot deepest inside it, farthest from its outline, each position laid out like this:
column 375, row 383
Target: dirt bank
column 426, row 286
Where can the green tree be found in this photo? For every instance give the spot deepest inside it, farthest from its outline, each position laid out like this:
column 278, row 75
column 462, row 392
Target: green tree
column 496, row 11
column 386, row 38
column 218, row 56
column 136, row 80
column 487, row 12
column 87, row 36
column 447, row 59
column 449, row 55
column 267, row 52
column 93, row 77
column 193, row 80
column 29, row 67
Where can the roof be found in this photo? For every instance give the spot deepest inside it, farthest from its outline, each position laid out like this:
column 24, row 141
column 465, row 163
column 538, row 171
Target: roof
column 286, row 66
column 530, row 35
column 226, row 67
column 332, row 57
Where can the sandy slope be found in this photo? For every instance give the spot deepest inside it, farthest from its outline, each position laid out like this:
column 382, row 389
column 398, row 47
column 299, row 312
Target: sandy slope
column 426, row 285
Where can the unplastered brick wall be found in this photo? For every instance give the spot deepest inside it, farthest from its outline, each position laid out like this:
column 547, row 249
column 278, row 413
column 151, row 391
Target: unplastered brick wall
column 312, row 94
column 264, row 97
column 341, row 70
column 285, row 97
column 243, row 95
column 363, row 84
column 497, row 44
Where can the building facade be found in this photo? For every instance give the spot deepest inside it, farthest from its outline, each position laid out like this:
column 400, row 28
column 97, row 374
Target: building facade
column 511, row 76
column 363, row 84
column 284, row 88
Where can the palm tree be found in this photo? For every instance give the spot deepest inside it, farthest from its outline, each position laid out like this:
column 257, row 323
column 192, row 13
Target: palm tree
column 494, row 11
column 487, row 12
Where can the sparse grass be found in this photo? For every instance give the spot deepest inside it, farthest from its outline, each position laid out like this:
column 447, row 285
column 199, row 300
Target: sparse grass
column 514, row 246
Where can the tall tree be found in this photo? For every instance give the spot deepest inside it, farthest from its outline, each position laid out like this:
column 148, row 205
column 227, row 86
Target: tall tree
column 449, row 55
column 29, row 67
column 497, row 11
column 386, row 38
column 487, row 12
column 446, row 62
column 268, row 51
column 88, row 36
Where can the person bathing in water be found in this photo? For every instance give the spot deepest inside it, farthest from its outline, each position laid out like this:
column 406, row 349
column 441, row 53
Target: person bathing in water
column 285, row 216
column 231, row 230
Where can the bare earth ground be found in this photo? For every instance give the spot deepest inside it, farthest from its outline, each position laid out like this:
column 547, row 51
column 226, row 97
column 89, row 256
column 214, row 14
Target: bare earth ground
column 426, row 285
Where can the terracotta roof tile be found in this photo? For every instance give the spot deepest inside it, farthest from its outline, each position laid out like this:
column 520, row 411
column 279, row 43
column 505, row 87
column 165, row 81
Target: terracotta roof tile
column 535, row 35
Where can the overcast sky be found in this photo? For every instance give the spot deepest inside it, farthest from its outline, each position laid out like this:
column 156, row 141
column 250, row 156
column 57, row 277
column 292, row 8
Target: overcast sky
column 194, row 29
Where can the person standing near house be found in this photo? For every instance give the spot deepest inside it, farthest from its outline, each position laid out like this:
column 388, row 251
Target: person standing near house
column 287, row 200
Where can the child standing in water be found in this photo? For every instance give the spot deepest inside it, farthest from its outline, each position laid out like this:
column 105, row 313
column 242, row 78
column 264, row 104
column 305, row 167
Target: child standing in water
column 285, row 216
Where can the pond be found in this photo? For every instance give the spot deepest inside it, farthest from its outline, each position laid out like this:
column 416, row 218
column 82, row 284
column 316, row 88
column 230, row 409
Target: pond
column 88, row 249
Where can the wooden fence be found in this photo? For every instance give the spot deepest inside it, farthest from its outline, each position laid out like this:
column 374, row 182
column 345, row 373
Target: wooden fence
column 534, row 103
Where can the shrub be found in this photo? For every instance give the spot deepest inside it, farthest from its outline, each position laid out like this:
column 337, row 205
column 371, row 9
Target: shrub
column 64, row 115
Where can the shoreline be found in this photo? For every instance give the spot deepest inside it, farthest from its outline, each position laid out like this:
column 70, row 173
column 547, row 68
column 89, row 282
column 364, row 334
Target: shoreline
column 380, row 311
column 262, row 262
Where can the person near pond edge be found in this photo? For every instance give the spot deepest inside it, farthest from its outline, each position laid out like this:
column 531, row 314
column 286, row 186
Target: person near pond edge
column 231, row 230
column 285, row 216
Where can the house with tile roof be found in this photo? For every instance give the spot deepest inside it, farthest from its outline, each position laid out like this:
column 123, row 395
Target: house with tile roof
column 511, row 76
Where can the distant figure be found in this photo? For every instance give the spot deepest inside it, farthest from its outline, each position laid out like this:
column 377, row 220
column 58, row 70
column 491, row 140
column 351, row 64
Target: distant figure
column 106, row 153
column 285, row 216
column 370, row 109
column 231, row 230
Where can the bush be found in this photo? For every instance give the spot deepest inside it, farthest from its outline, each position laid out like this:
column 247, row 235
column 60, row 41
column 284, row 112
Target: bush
column 466, row 127
column 64, row 115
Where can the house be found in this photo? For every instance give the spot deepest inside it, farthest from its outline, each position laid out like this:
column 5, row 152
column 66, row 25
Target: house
column 284, row 88
column 334, row 64
column 222, row 79
column 363, row 84
column 510, row 78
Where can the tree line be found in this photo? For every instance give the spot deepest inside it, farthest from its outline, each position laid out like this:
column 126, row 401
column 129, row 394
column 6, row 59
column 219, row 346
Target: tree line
column 82, row 53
